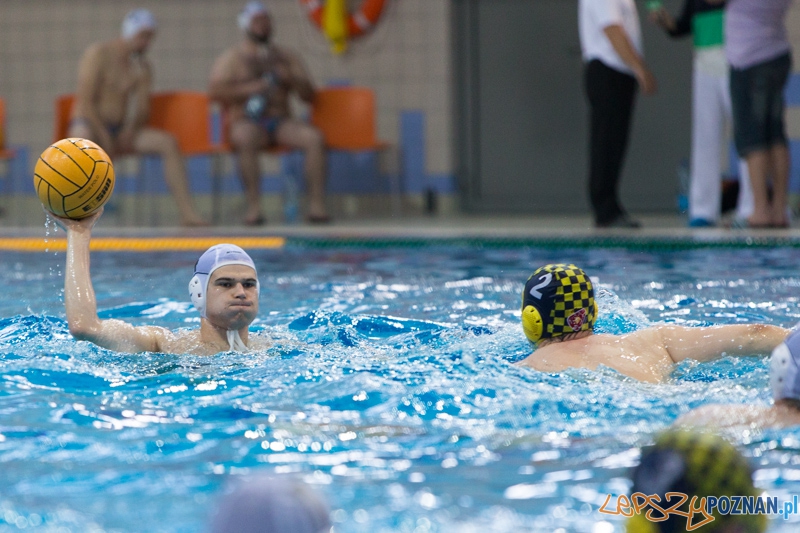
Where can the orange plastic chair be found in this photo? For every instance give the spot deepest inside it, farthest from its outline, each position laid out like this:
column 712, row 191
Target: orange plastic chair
column 346, row 117
column 187, row 116
column 64, row 105
column 5, row 154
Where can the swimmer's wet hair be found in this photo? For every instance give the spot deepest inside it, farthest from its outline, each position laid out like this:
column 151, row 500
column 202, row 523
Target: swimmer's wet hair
column 558, row 299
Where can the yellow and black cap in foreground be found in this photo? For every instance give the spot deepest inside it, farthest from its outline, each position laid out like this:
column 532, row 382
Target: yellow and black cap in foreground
column 694, row 464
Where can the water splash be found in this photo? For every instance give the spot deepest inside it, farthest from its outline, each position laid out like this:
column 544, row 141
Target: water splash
column 409, row 416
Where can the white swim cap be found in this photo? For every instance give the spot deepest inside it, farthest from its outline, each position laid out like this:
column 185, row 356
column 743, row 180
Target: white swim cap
column 215, row 257
column 784, row 371
column 252, row 9
column 136, row 21
column 261, row 504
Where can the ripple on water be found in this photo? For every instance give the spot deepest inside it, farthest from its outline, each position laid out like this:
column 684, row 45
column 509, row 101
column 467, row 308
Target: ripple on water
column 408, row 417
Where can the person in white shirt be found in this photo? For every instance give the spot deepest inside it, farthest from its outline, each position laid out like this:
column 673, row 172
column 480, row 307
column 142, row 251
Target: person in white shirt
column 611, row 44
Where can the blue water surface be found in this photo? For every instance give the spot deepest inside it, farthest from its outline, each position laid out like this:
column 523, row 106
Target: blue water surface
column 390, row 386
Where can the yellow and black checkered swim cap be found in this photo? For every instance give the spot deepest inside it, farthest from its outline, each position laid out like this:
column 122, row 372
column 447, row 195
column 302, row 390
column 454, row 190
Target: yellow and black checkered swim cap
column 695, row 464
column 558, row 299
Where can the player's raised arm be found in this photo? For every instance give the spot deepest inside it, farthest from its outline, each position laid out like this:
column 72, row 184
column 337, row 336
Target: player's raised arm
column 80, row 302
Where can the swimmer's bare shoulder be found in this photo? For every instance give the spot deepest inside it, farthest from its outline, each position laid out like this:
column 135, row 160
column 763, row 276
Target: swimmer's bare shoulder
column 189, row 342
column 639, row 355
column 99, row 56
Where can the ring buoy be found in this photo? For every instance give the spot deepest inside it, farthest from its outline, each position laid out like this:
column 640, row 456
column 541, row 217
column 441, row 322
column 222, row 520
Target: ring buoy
column 358, row 23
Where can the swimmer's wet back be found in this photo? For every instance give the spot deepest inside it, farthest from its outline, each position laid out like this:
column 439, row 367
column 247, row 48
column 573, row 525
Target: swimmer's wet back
column 558, row 299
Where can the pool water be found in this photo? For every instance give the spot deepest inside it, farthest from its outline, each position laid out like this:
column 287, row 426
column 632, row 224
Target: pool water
column 390, row 387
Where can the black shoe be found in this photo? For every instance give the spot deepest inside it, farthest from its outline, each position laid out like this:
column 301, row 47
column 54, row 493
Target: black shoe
column 622, row 221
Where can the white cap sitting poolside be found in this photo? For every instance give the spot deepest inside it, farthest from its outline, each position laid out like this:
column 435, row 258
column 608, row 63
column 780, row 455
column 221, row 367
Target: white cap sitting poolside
column 784, row 377
column 138, row 21
column 224, row 289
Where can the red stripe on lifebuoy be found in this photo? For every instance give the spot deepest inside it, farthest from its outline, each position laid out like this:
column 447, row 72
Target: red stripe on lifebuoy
column 358, row 23
column 314, row 9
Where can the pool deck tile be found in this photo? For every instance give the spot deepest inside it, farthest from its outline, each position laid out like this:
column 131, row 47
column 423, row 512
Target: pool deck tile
column 450, row 227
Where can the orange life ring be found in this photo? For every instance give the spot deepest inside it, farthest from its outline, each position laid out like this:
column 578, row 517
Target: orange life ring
column 358, row 23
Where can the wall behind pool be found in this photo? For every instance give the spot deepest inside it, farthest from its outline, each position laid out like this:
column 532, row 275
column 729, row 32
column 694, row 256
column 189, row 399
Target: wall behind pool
column 405, row 59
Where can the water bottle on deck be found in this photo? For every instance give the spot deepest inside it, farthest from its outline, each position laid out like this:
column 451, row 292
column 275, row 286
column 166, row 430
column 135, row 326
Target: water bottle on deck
column 683, row 186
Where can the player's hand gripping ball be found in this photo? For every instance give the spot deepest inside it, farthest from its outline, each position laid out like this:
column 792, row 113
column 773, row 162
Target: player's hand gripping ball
column 73, row 178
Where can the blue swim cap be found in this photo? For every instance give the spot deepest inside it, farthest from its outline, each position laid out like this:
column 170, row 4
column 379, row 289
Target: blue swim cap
column 215, row 257
column 271, row 505
column 252, row 9
column 136, row 21
column 784, row 371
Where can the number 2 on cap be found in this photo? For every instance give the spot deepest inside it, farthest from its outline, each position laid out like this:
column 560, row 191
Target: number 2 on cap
column 545, row 282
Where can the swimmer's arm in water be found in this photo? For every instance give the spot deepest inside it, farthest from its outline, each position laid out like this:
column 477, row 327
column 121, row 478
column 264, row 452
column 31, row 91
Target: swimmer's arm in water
column 81, row 304
column 707, row 343
column 727, row 416
column 86, row 97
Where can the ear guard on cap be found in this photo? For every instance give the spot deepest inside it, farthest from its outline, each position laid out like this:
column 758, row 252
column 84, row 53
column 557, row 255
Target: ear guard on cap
column 532, row 323
column 198, row 294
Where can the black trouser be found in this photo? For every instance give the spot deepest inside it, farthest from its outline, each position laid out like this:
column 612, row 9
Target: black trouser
column 611, row 96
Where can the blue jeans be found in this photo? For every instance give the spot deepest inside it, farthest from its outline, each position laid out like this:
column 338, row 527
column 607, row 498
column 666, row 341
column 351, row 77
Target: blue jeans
column 758, row 104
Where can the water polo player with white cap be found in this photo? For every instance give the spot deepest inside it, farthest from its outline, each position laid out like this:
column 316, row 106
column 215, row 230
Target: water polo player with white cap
column 559, row 313
column 137, row 21
column 231, row 296
column 784, row 372
column 112, row 106
column 255, row 82
column 245, row 19
column 224, row 289
column 263, row 504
